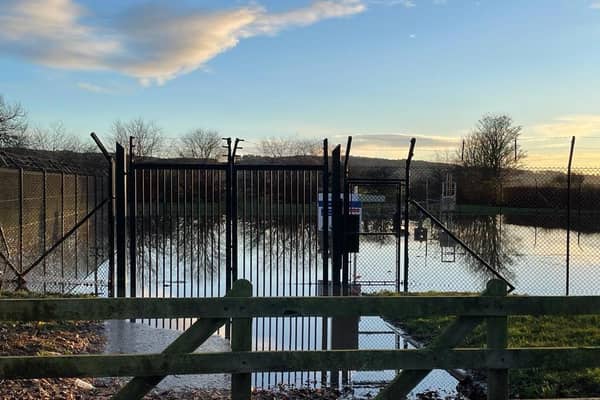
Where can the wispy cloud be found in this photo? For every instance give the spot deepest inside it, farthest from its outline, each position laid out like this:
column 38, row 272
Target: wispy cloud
column 404, row 3
column 595, row 5
column 90, row 87
column 568, row 125
column 395, row 145
column 149, row 42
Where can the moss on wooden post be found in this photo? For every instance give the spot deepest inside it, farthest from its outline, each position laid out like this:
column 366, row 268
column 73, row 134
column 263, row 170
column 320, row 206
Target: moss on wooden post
column 241, row 340
column 497, row 339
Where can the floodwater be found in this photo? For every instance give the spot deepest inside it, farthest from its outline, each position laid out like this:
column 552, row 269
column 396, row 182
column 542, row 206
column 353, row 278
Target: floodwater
column 286, row 260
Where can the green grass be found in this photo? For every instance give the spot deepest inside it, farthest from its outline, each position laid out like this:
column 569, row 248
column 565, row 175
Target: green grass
column 527, row 331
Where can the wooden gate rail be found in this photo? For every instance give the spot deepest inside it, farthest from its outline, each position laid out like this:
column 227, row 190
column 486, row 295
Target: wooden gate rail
column 493, row 307
column 126, row 308
column 30, row 367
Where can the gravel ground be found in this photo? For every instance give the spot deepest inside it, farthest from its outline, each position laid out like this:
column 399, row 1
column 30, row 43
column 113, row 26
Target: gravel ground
column 56, row 338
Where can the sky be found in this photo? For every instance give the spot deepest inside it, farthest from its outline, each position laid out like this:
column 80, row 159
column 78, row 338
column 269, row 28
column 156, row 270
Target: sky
column 379, row 70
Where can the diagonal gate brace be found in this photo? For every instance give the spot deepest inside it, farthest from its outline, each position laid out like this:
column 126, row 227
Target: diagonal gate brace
column 452, row 336
column 188, row 342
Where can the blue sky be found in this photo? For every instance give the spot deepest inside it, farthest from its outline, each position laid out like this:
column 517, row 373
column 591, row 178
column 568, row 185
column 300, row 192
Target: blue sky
column 328, row 68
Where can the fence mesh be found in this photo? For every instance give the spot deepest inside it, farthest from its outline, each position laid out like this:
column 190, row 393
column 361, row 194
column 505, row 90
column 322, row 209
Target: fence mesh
column 532, row 226
column 36, row 210
column 519, row 222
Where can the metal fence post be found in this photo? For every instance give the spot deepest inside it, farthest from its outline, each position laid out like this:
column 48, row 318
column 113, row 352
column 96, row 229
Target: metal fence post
column 132, row 200
column 406, row 210
column 111, row 213
column 569, row 216
column 21, row 208
column 497, row 339
column 44, row 221
column 241, row 340
column 62, row 230
column 228, row 223
column 337, row 243
column 121, row 204
column 345, row 215
column 325, row 217
column 325, row 249
column 336, row 221
column 76, row 234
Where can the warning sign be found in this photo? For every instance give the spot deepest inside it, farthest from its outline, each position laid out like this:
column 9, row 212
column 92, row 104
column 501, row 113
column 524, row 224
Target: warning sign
column 355, row 208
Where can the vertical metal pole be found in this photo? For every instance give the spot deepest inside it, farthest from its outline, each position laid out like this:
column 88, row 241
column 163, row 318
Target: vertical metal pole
column 406, row 213
column 111, row 215
column 336, row 220
column 228, row 195
column 111, row 227
column 132, row 200
column 121, row 205
column 234, row 221
column 44, row 220
column 62, row 229
column 87, row 225
column 346, row 213
column 21, row 200
column 325, row 217
column 96, row 230
column 569, row 214
column 398, row 235
column 228, row 222
column 337, row 238
column 76, row 233
column 324, row 249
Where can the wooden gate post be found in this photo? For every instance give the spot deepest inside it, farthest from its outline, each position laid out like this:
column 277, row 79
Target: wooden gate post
column 241, row 340
column 497, row 339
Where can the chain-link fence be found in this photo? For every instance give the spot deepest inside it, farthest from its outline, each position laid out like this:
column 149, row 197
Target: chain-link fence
column 53, row 231
column 536, row 227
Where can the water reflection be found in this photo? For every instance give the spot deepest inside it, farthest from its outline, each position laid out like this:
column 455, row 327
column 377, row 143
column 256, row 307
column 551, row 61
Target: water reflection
column 485, row 235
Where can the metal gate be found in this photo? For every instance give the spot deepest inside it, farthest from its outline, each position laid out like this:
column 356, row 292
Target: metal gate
column 377, row 233
column 194, row 228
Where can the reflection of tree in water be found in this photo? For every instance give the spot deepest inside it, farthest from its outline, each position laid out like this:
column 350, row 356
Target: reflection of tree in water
column 198, row 245
column 485, row 236
column 193, row 246
column 280, row 239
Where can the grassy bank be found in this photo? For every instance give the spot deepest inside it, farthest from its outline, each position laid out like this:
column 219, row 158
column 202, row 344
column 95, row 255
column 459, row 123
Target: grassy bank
column 527, row 331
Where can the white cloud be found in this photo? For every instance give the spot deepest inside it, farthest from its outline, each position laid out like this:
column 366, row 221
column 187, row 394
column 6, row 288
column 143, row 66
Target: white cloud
column 149, row 42
column 90, row 87
column 595, row 5
column 404, row 3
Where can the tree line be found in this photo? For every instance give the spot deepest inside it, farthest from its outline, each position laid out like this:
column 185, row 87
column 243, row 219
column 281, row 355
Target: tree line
column 16, row 131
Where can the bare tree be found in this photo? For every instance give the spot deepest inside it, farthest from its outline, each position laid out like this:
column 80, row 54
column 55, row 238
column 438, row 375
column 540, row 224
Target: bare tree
column 200, row 143
column 286, row 147
column 148, row 136
column 13, row 124
column 491, row 147
column 56, row 138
